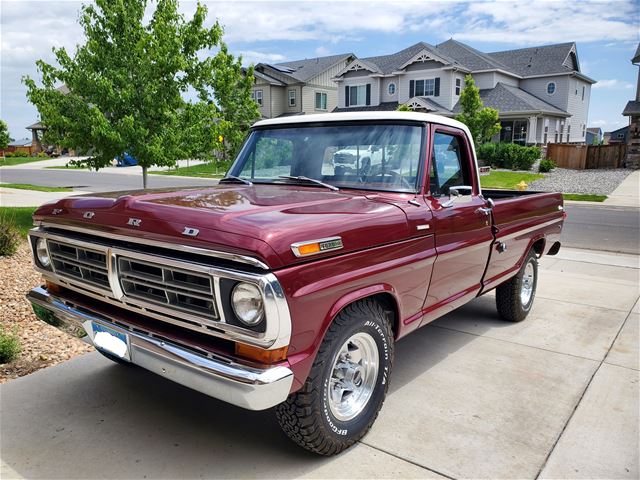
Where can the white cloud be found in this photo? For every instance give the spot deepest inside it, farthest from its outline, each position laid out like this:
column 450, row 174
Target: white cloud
column 322, row 51
column 613, row 83
column 252, row 56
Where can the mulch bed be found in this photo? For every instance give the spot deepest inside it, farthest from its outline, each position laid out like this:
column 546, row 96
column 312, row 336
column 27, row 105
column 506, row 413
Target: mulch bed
column 41, row 345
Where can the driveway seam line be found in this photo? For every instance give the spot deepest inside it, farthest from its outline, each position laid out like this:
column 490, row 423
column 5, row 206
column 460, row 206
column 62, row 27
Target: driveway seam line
column 521, row 344
column 407, row 460
column 586, row 304
column 584, row 392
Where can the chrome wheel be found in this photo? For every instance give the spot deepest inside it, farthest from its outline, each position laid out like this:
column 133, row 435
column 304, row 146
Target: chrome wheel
column 528, row 282
column 353, row 376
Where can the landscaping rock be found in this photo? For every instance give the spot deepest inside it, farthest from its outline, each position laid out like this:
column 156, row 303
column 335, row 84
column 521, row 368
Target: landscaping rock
column 596, row 182
column 42, row 345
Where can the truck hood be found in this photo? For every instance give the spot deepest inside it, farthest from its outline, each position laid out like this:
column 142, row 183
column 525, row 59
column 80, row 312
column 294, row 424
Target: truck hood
column 260, row 220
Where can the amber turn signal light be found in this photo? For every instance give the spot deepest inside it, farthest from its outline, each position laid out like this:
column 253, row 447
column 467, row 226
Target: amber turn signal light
column 52, row 287
column 260, row 354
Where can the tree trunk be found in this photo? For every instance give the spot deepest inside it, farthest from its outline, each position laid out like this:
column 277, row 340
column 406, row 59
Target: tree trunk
column 144, row 177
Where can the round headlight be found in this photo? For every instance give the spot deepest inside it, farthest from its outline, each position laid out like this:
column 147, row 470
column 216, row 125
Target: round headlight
column 42, row 253
column 246, row 301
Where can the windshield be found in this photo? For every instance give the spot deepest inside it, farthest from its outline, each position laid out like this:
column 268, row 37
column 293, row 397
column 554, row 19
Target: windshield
column 373, row 157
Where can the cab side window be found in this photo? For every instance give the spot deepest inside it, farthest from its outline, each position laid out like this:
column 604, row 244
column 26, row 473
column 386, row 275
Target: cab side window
column 448, row 165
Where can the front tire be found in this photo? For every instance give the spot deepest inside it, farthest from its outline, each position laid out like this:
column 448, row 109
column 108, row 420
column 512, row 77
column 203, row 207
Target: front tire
column 514, row 298
column 347, row 384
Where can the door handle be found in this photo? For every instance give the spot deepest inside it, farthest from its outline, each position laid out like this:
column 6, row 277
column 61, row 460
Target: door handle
column 483, row 210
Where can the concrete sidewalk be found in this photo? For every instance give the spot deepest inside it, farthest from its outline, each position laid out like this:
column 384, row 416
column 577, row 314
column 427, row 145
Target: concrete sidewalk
column 555, row 396
column 628, row 192
column 15, row 197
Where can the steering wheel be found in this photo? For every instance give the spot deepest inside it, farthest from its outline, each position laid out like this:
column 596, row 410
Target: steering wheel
column 395, row 175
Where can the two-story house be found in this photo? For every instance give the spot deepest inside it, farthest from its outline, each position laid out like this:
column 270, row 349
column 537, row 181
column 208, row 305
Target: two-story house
column 539, row 92
column 298, row 87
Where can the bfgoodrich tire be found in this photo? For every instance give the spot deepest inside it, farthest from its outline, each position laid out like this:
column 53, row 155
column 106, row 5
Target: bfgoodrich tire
column 514, row 298
column 347, row 384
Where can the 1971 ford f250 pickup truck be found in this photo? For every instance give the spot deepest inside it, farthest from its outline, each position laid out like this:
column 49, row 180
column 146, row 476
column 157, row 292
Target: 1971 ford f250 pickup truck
column 289, row 283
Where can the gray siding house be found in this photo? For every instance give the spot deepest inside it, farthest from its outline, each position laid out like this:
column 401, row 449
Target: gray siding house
column 539, row 92
column 298, row 87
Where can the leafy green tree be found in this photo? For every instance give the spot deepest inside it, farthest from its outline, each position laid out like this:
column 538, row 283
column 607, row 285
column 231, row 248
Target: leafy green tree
column 128, row 81
column 482, row 121
column 4, row 135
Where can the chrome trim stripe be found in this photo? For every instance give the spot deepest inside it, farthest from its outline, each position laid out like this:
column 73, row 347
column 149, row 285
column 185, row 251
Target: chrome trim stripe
column 156, row 243
column 214, row 375
column 277, row 332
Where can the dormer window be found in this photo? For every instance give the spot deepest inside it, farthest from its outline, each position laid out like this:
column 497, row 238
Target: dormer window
column 551, row 88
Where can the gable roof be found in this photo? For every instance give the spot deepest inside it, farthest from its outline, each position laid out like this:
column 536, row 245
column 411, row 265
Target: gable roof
column 543, row 60
column 510, row 99
column 636, row 57
column 632, row 108
column 471, row 58
column 390, row 63
column 303, row 70
column 594, row 130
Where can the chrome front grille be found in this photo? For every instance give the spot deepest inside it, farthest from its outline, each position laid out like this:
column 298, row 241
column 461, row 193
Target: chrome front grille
column 79, row 263
column 159, row 284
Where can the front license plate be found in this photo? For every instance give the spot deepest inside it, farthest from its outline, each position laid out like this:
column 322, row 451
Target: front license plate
column 110, row 340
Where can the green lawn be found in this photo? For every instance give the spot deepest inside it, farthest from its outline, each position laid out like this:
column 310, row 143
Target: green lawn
column 18, row 216
column 7, row 161
column 202, row 170
column 66, row 167
column 28, row 186
column 507, row 180
column 584, row 197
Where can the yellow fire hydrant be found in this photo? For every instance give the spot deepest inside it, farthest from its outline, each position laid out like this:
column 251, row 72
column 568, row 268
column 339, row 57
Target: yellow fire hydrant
column 522, row 186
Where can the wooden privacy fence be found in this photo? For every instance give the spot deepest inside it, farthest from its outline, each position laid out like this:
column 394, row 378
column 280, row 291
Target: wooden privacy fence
column 580, row 157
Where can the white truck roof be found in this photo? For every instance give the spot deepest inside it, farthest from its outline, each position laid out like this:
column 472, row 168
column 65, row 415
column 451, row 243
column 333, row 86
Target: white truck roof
column 362, row 116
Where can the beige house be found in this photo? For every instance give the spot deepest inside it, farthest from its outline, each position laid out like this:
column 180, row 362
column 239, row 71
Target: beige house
column 298, row 87
column 540, row 93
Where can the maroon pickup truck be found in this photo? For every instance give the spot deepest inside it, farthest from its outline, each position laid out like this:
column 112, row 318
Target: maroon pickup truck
column 288, row 284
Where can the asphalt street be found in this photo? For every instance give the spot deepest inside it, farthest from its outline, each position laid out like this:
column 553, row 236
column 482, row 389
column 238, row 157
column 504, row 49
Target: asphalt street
column 94, row 181
column 613, row 229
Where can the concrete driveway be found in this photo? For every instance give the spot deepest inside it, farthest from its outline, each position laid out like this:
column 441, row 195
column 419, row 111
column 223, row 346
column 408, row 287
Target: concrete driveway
column 553, row 397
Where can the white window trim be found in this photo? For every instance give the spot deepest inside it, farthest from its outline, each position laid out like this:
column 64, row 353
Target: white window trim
column 458, row 86
column 392, row 84
column 258, row 96
column 364, row 102
column 291, row 97
column 425, row 80
column 319, row 92
column 555, row 88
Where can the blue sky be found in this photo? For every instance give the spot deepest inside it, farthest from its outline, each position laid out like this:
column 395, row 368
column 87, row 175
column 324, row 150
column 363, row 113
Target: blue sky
column 606, row 34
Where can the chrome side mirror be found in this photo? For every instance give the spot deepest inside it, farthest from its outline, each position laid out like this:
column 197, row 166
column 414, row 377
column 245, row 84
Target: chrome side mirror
column 454, row 192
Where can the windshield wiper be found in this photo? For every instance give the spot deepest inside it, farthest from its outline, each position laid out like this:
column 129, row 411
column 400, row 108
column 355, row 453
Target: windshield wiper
column 234, row 179
column 309, row 180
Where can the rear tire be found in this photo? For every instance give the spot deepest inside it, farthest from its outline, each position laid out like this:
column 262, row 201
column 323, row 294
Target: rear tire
column 514, row 298
column 347, row 384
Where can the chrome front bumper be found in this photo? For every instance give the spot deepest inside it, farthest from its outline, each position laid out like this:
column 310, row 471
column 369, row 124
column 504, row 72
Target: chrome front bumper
column 219, row 377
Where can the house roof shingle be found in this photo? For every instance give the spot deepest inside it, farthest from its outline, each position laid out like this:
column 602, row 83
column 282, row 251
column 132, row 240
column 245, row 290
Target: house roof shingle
column 544, row 60
column 390, row 63
column 471, row 58
column 303, row 70
column 508, row 99
column 636, row 57
column 632, row 108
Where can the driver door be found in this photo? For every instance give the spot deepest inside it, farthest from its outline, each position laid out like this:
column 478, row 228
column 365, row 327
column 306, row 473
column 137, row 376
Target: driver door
column 462, row 224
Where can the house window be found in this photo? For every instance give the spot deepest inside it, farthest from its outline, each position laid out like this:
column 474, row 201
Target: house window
column 551, row 88
column 292, row 98
column 256, row 95
column 568, row 133
column 392, row 88
column 321, row 101
column 357, row 95
column 583, row 88
column 584, row 129
column 458, row 85
column 425, row 88
column 514, row 131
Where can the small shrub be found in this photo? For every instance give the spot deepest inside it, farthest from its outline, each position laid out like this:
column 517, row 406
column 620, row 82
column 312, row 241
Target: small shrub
column 487, row 153
column 20, row 154
column 546, row 165
column 9, row 345
column 9, row 154
column 42, row 155
column 9, row 236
